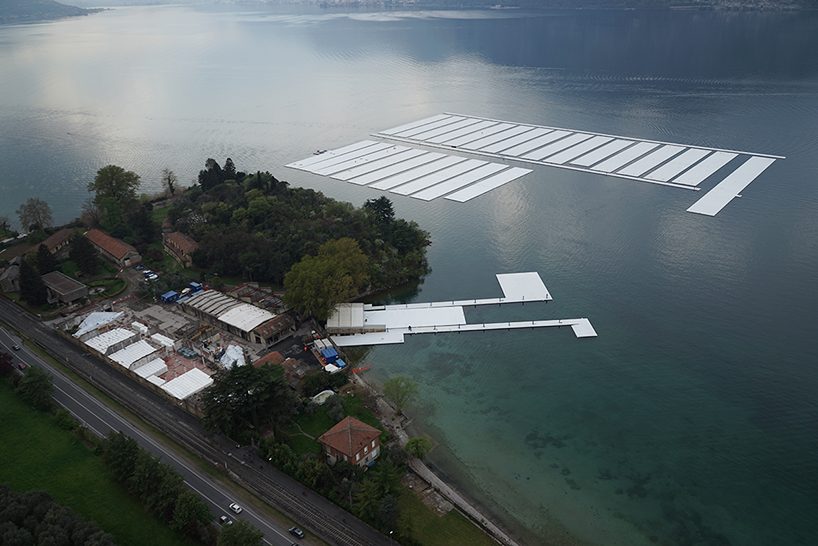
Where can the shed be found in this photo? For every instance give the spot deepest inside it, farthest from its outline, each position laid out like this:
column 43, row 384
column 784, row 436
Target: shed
column 330, row 355
column 170, row 297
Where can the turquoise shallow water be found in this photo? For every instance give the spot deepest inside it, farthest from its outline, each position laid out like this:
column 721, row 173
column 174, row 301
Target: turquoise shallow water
column 692, row 418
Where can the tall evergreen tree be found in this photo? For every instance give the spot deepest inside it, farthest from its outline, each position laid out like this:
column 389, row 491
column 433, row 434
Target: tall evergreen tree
column 46, row 261
column 32, row 287
column 84, row 254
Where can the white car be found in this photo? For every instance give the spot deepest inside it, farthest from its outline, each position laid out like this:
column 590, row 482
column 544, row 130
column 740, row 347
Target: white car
column 235, row 507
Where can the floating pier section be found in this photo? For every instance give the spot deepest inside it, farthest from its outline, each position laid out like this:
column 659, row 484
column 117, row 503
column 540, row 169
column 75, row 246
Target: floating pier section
column 429, row 175
column 397, row 321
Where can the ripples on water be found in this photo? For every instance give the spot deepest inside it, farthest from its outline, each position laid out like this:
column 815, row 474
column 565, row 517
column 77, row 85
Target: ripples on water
column 691, row 418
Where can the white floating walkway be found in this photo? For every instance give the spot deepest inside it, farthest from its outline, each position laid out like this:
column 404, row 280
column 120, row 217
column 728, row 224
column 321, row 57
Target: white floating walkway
column 717, row 198
column 429, row 175
column 649, row 161
column 417, row 173
column 448, row 316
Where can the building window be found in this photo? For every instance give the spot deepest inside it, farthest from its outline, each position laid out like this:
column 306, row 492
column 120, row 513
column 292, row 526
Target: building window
column 366, row 449
column 357, row 457
column 345, row 459
column 373, row 444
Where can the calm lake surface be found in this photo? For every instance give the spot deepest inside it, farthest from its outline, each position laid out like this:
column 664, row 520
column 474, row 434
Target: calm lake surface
column 693, row 417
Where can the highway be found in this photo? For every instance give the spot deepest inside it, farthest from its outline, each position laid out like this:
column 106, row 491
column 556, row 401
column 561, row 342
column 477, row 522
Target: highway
column 310, row 512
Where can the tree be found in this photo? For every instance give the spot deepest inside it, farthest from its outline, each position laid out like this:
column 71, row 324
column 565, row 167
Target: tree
column 91, row 216
column 46, row 261
column 388, row 513
column 35, row 214
column 6, row 364
column 246, row 395
column 32, row 288
column 241, row 533
column 5, row 223
column 399, row 390
column 157, row 485
column 418, row 447
column 35, row 387
column 169, row 181
column 211, row 176
column 381, row 209
column 190, row 513
column 229, row 170
column 110, row 213
column 317, row 284
column 115, row 182
column 84, row 254
column 119, row 453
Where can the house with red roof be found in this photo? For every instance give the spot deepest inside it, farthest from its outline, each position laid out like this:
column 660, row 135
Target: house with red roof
column 352, row 441
column 180, row 246
column 113, row 249
column 58, row 240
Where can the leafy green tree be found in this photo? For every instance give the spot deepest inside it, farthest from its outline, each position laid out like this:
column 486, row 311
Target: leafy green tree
column 190, row 513
column 36, row 387
column 46, row 261
column 5, row 224
column 169, row 181
column 399, row 390
column 241, row 533
column 156, row 484
column 115, row 182
column 120, row 454
column 211, row 176
column 110, row 213
column 418, row 447
column 246, row 395
column 142, row 224
column 35, row 214
column 317, row 284
column 84, row 254
column 32, row 288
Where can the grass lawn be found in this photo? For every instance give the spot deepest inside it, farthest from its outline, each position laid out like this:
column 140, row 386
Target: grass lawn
column 37, row 454
column 320, row 422
column 158, row 215
column 453, row 529
column 112, row 286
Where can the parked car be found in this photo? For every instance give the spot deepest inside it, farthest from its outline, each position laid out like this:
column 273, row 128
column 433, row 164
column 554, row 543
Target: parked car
column 153, row 277
column 235, row 507
column 297, row 532
column 21, row 366
column 140, row 267
column 15, row 347
column 224, row 520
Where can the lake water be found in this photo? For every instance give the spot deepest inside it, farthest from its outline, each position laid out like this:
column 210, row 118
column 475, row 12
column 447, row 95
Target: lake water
column 693, row 417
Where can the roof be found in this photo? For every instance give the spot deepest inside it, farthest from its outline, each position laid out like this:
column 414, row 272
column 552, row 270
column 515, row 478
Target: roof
column 156, row 366
column 133, row 352
column 115, row 247
column 184, row 243
column 349, row 436
column 273, row 357
column 162, row 340
column 57, row 239
column 95, row 320
column 236, row 313
column 188, row 384
column 277, row 324
column 246, row 318
column 347, row 315
column 105, row 340
column 61, row 283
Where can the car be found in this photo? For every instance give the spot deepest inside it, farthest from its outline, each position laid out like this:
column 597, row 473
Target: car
column 15, row 347
column 224, row 520
column 140, row 267
column 297, row 532
column 21, row 366
column 153, row 277
column 235, row 507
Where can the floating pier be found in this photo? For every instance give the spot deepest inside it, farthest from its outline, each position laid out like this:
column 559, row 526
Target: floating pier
column 429, row 175
column 397, row 321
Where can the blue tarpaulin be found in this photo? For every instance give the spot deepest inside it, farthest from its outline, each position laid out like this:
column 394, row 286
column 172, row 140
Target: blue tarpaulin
column 330, row 355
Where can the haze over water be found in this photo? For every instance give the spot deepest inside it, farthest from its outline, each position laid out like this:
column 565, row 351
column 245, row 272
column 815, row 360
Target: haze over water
column 692, row 418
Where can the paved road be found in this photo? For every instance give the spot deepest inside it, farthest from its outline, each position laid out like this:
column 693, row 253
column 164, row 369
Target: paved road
column 310, row 511
column 100, row 419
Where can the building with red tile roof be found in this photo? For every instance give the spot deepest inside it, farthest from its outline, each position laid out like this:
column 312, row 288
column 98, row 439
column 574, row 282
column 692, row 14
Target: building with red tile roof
column 353, row 441
column 273, row 357
column 113, row 249
column 180, row 246
column 58, row 240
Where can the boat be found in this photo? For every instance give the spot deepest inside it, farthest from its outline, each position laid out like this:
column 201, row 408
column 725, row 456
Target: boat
column 318, row 152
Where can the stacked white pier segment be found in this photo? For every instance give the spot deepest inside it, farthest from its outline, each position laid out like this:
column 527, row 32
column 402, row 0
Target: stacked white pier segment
column 417, row 173
column 448, row 316
column 655, row 162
